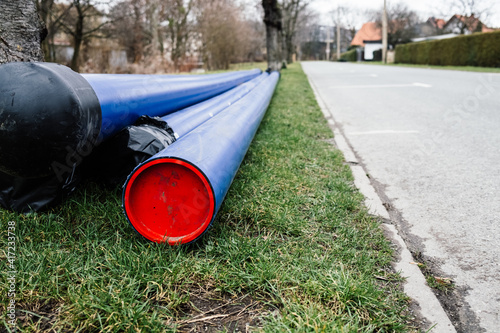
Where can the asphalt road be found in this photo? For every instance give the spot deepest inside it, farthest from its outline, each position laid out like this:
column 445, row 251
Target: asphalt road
column 430, row 141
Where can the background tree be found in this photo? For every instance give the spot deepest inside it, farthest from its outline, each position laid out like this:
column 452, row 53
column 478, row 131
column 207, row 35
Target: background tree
column 128, row 27
column 46, row 11
column 158, row 35
column 179, row 27
column 471, row 13
column 273, row 22
column 291, row 10
column 401, row 22
column 21, row 32
column 226, row 35
column 83, row 22
column 153, row 10
column 347, row 18
column 307, row 34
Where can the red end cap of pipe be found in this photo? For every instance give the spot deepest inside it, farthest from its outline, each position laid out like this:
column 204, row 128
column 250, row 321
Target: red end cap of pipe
column 169, row 200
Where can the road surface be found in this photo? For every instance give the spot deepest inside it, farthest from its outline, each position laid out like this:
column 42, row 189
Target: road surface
column 430, row 141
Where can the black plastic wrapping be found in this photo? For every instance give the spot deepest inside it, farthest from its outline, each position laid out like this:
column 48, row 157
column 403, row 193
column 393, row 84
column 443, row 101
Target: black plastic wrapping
column 34, row 194
column 50, row 117
column 109, row 163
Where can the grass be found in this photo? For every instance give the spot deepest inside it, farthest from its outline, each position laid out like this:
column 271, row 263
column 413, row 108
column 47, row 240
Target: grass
column 248, row 65
column 293, row 249
column 452, row 68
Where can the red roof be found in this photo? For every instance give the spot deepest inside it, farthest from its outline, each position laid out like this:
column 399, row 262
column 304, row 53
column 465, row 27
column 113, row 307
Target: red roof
column 437, row 23
column 471, row 22
column 369, row 32
column 440, row 23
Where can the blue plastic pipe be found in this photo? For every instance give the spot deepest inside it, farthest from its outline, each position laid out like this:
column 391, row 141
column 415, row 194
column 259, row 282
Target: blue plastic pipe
column 174, row 196
column 52, row 117
column 123, row 100
column 184, row 121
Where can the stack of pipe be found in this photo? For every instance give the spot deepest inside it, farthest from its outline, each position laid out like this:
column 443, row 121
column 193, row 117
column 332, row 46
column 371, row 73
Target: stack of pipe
column 174, row 196
column 49, row 115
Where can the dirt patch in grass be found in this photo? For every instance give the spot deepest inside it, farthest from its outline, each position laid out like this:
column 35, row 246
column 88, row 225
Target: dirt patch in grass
column 213, row 311
column 39, row 316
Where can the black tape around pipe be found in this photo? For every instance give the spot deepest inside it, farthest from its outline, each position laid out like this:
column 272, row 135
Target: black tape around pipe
column 50, row 119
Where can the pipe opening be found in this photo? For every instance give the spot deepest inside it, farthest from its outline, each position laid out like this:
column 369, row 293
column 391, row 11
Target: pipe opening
column 169, row 200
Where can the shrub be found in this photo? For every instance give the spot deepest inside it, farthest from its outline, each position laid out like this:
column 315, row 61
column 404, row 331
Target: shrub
column 349, row 55
column 481, row 49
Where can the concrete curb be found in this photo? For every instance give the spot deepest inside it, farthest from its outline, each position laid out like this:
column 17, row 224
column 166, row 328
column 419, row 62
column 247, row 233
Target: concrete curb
column 415, row 285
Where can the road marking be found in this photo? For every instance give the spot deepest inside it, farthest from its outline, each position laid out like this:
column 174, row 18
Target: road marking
column 356, row 75
column 383, row 132
column 423, row 85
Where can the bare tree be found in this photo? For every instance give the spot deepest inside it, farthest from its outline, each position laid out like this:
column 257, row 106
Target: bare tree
column 225, row 34
column 348, row 18
column 129, row 27
column 401, row 22
column 82, row 22
column 291, row 10
column 338, row 17
column 154, row 31
column 179, row 27
column 469, row 15
column 273, row 22
column 254, row 36
column 21, row 32
column 306, row 33
column 45, row 10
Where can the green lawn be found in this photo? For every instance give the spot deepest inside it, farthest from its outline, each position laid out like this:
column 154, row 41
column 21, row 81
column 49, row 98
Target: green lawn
column 293, row 249
column 248, row 65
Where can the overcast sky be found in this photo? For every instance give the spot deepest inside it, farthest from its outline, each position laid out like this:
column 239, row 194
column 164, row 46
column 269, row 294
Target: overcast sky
column 425, row 8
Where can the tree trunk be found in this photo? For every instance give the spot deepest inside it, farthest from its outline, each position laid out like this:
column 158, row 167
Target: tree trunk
column 45, row 8
column 154, row 26
column 75, row 64
column 138, row 45
column 21, row 32
column 291, row 10
column 283, row 49
column 272, row 19
column 78, row 39
column 290, row 48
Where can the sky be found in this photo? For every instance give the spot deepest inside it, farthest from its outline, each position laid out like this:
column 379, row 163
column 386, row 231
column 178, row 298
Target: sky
column 425, row 8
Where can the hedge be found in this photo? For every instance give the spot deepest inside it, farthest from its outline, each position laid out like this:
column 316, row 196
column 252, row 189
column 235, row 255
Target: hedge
column 349, row 55
column 481, row 49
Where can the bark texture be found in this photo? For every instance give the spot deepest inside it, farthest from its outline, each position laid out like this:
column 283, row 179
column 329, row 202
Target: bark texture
column 273, row 22
column 21, row 31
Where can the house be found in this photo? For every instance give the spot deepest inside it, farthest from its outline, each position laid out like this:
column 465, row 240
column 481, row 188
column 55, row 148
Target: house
column 369, row 37
column 460, row 24
column 437, row 23
column 432, row 27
